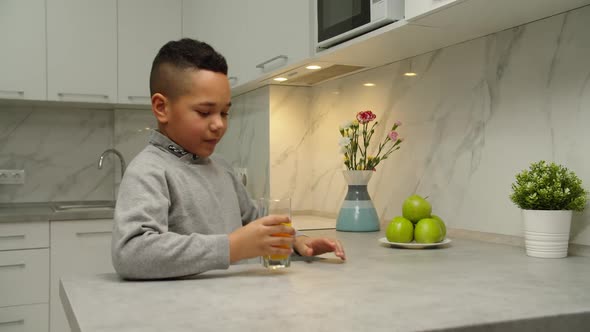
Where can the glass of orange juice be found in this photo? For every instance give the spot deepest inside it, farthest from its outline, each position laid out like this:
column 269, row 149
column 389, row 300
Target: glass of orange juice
column 281, row 207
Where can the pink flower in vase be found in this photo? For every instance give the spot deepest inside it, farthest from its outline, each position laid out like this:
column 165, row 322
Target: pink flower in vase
column 393, row 135
column 365, row 116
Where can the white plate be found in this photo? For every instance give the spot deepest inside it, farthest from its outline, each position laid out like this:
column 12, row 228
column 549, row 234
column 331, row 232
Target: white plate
column 414, row 245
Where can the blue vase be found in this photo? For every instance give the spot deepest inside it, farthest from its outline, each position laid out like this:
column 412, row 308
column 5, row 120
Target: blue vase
column 357, row 213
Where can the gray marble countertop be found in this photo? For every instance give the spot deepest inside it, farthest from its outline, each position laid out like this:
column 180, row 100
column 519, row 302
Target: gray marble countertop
column 45, row 211
column 466, row 286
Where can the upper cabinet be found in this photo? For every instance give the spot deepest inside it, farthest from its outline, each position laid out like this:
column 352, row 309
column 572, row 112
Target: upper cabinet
column 256, row 37
column 416, row 8
column 82, row 50
column 434, row 24
column 22, row 36
column 100, row 51
column 144, row 27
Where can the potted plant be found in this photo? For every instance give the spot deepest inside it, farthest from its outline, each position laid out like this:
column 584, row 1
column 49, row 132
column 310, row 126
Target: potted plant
column 547, row 194
column 357, row 213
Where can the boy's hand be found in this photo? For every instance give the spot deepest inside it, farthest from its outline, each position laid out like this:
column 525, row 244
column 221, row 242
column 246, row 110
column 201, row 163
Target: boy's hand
column 309, row 246
column 256, row 238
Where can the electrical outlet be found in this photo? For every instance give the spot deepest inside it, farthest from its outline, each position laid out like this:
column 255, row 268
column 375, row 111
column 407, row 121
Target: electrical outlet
column 12, row 176
column 242, row 174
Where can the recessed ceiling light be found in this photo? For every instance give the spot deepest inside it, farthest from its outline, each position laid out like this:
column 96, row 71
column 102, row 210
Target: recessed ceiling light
column 314, row 67
column 369, row 84
column 410, row 74
column 280, row 79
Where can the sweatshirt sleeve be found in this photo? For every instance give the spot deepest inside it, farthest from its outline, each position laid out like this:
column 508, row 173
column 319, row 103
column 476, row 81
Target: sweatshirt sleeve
column 143, row 248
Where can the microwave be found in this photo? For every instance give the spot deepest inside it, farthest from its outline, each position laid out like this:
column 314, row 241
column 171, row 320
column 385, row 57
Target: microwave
column 340, row 20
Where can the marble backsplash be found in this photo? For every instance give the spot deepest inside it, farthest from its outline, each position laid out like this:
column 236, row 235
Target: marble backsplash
column 246, row 141
column 131, row 133
column 476, row 114
column 59, row 150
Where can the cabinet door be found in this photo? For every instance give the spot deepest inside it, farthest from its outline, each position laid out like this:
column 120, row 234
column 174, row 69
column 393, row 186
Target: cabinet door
column 24, row 277
column 269, row 33
column 144, row 27
column 22, row 36
column 280, row 31
column 24, row 235
column 77, row 248
column 27, row 318
column 201, row 21
column 414, row 8
column 82, row 50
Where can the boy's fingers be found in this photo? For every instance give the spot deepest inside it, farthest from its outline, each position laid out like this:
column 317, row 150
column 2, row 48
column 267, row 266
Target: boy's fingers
column 280, row 251
column 339, row 250
column 275, row 220
column 282, row 241
column 280, row 229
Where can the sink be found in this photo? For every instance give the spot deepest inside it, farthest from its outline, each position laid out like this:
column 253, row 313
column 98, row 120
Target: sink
column 88, row 205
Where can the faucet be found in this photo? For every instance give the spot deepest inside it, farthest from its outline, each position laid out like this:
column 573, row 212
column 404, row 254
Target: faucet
column 107, row 151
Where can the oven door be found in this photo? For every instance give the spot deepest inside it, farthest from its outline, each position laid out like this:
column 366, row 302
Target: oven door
column 335, row 17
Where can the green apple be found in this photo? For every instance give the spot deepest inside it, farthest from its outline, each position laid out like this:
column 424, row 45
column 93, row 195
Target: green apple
column 415, row 208
column 428, row 230
column 442, row 224
column 400, row 230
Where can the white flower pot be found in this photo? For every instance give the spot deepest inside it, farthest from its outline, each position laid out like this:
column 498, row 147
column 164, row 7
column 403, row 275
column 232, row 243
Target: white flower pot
column 547, row 232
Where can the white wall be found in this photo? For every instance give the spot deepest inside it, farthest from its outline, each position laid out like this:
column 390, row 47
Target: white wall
column 59, row 149
column 476, row 114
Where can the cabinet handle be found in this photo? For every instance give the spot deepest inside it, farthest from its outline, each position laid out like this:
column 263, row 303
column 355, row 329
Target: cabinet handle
column 12, row 237
column 13, row 322
column 21, row 265
column 83, row 95
column 262, row 64
column 146, row 98
column 84, row 234
column 232, row 80
column 15, row 93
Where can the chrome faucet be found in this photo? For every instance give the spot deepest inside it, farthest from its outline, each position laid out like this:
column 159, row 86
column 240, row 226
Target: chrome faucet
column 114, row 151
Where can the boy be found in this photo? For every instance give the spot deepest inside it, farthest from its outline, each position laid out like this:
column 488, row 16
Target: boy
column 179, row 211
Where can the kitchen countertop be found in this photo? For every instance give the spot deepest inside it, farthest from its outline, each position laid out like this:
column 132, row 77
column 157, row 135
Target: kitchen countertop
column 23, row 212
column 468, row 285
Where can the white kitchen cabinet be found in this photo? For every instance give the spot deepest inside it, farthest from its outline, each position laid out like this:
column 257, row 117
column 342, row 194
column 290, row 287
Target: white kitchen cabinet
column 22, row 36
column 82, row 50
column 416, row 8
column 256, row 37
column 78, row 247
column 27, row 318
column 24, row 235
column 144, row 26
column 24, row 277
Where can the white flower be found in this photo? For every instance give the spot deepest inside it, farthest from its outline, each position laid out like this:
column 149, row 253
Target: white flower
column 344, row 141
column 345, row 125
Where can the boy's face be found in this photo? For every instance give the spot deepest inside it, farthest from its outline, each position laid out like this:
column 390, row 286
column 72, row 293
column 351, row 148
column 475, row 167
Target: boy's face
column 196, row 120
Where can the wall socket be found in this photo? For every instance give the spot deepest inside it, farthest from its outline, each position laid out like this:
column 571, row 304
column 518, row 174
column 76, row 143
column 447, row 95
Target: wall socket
column 12, row 176
column 242, row 174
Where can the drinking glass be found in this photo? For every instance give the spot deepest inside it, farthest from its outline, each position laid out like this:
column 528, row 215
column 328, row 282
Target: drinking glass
column 281, row 207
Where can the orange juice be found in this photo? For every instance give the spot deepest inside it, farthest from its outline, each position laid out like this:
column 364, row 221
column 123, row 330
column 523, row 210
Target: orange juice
column 282, row 257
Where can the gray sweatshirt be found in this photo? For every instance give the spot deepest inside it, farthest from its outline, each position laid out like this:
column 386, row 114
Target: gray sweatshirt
column 174, row 213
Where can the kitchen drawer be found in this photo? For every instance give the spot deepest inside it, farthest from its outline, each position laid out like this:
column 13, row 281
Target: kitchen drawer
column 24, row 277
column 26, row 318
column 24, row 235
column 78, row 247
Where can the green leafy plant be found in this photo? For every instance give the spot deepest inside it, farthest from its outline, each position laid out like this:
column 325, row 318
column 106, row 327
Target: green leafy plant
column 547, row 186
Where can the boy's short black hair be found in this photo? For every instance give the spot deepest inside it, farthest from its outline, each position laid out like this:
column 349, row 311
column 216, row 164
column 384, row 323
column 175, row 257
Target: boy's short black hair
column 166, row 76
